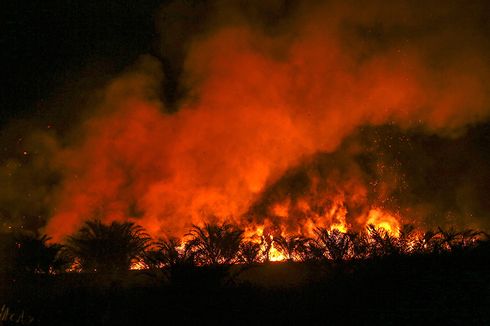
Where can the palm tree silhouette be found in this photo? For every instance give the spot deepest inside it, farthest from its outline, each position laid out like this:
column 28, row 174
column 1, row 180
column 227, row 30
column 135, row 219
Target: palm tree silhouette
column 407, row 239
column 249, row 252
column 99, row 247
column 293, row 247
column 31, row 253
column 382, row 242
column 334, row 245
column 360, row 244
column 171, row 259
column 215, row 244
column 167, row 253
column 452, row 240
column 215, row 247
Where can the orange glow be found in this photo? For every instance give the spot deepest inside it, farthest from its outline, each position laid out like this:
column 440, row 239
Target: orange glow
column 276, row 255
column 341, row 227
column 256, row 234
column 384, row 221
column 138, row 265
column 259, row 106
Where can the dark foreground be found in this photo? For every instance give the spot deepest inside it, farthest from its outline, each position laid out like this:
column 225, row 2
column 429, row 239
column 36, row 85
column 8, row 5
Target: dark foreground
column 449, row 289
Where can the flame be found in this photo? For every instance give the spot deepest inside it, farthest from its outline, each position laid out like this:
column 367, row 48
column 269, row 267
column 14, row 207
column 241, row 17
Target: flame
column 138, row 265
column 340, row 227
column 264, row 235
column 383, row 220
column 260, row 105
column 276, row 255
column 280, row 209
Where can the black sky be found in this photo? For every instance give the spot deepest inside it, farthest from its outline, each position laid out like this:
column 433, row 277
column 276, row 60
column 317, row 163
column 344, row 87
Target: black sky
column 47, row 44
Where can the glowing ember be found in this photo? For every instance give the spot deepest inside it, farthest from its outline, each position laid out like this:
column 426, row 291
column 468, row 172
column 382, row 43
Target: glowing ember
column 138, row 265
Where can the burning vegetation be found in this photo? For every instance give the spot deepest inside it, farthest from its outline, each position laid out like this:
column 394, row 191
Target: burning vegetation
column 334, row 116
column 119, row 274
column 347, row 141
column 119, row 247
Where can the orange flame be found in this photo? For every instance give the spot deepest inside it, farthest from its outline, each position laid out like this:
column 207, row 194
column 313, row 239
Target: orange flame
column 259, row 106
column 383, row 220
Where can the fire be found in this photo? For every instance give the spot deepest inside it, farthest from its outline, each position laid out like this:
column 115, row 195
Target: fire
column 138, row 265
column 276, row 255
column 341, row 227
column 280, row 209
column 264, row 235
column 383, row 220
column 261, row 107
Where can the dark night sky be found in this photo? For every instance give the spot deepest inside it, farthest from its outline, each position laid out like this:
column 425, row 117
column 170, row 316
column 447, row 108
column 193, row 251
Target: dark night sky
column 47, row 44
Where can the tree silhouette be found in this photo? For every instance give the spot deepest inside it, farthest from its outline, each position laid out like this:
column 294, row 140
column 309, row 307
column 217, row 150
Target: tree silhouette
column 293, row 247
column 453, row 240
column 29, row 253
column 336, row 245
column 215, row 244
column 360, row 244
column 214, row 247
column 175, row 261
column 383, row 243
column 168, row 253
column 407, row 239
column 427, row 243
column 249, row 252
column 108, row 247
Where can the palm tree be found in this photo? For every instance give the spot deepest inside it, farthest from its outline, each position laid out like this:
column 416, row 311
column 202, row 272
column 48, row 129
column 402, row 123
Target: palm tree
column 449, row 238
column 35, row 255
column 31, row 253
column 215, row 247
column 293, row 247
column 335, row 245
column 407, row 239
column 249, row 252
column 428, row 242
column 383, row 243
column 168, row 253
column 360, row 246
column 108, row 247
column 471, row 238
column 174, row 261
column 453, row 240
column 215, row 244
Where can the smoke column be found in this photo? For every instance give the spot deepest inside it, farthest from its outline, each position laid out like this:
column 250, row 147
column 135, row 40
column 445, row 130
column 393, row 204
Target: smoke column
column 263, row 95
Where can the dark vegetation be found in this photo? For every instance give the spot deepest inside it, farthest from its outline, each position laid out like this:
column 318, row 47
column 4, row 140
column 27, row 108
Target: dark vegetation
column 219, row 276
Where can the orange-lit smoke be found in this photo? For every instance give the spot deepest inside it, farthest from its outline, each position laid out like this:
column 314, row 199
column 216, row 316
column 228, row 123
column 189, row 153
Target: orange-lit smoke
column 259, row 104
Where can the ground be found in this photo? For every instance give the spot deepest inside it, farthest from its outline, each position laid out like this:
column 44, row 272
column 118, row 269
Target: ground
column 451, row 289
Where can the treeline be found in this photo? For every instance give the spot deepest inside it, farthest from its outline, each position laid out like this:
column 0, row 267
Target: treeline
column 119, row 246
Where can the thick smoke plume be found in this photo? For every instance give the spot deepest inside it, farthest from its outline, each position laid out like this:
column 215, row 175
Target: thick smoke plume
column 262, row 91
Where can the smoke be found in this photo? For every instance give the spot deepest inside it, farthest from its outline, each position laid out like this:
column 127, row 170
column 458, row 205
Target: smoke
column 255, row 92
column 423, row 180
column 28, row 178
